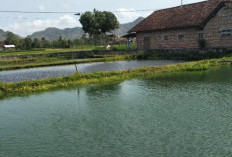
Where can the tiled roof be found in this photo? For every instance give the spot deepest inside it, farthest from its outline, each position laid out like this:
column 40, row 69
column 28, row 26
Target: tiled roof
column 192, row 15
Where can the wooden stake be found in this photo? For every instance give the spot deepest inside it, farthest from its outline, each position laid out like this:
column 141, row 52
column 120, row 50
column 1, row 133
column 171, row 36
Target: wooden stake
column 76, row 68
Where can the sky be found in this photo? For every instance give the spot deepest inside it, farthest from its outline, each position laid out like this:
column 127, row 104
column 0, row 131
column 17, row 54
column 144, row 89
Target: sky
column 26, row 24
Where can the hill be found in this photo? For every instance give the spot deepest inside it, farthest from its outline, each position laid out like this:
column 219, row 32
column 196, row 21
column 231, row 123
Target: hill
column 54, row 33
column 3, row 35
column 124, row 28
column 77, row 32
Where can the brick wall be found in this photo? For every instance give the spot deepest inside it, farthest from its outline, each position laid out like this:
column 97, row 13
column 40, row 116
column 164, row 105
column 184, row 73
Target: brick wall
column 212, row 30
column 212, row 34
column 157, row 41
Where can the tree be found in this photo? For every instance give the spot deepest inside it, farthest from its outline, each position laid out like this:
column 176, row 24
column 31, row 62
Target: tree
column 98, row 22
column 36, row 43
column 45, row 43
column 27, row 43
column 13, row 39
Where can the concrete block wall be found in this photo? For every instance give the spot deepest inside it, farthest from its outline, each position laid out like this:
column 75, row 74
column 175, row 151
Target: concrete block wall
column 190, row 39
column 212, row 30
column 212, row 34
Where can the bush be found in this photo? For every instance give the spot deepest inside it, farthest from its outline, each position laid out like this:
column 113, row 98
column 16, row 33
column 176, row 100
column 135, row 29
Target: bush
column 202, row 43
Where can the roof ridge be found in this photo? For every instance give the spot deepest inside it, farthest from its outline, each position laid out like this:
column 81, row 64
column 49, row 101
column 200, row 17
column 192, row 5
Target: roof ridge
column 180, row 6
column 188, row 15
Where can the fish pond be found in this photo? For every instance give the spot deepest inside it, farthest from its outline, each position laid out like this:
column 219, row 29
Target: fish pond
column 180, row 114
column 56, row 71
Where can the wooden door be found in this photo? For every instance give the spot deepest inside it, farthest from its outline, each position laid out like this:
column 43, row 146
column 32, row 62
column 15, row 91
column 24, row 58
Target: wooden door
column 147, row 43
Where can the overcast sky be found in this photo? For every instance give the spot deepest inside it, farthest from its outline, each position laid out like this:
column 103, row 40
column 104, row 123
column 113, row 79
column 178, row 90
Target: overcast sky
column 25, row 24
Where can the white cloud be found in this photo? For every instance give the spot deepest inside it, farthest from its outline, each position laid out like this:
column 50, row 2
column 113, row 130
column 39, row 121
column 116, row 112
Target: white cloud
column 66, row 21
column 20, row 17
column 66, row 6
column 125, row 15
column 27, row 28
column 41, row 8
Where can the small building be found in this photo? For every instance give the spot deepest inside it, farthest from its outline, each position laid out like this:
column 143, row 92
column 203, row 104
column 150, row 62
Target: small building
column 130, row 37
column 9, row 47
column 204, row 24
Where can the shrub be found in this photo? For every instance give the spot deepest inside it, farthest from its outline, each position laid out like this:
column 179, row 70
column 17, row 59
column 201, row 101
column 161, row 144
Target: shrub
column 202, row 43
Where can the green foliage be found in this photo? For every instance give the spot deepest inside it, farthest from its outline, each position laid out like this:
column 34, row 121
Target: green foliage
column 27, row 44
column 88, row 23
column 101, row 77
column 202, row 43
column 13, row 39
column 185, row 55
column 98, row 22
column 40, row 61
column 36, row 43
column 123, row 47
column 99, row 48
column 45, row 43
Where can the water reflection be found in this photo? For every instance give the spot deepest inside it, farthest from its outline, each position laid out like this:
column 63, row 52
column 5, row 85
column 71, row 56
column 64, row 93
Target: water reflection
column 99, row 90
column 216, row 74
column 184, row 114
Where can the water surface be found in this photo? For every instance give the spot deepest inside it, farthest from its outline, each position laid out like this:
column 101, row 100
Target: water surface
column 55, row 71
column 173, row 115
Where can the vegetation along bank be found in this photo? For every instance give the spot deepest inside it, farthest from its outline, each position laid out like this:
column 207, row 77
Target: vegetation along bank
column 40, row 58
column 104, row 77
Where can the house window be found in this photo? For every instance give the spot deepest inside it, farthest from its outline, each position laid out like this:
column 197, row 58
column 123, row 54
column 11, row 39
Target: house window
column 201, row 36
column 181, row 37
column 166, row 37
column 225, row 32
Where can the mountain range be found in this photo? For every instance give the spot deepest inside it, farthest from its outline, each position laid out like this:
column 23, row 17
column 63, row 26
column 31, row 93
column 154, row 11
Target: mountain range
column 124, row 28
column 77, row 32
column 53, row 33
column 3, row 35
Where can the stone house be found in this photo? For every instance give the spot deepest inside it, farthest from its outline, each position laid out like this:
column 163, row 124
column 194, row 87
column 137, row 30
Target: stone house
column 187, row 27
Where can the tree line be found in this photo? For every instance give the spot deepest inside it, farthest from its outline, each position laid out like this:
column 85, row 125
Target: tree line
column 28, row 43
column 96, row 24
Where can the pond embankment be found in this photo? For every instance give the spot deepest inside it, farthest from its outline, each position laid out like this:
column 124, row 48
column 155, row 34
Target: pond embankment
column 191, row 54
column 30, row 60
column 71, row 54
column 64, row 70
column 103, row 77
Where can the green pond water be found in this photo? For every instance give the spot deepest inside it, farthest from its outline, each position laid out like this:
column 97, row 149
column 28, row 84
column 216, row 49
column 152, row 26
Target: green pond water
column 173, row 115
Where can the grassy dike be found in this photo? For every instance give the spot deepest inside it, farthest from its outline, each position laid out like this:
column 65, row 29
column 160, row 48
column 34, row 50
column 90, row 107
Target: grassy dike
column 102, row 77
column 47, row 50
column 22, row 64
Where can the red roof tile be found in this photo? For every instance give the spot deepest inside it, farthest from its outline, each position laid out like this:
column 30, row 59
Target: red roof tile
column 192, row 15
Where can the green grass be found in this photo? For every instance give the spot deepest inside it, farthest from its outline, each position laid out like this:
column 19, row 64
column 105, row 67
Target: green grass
column 46, row 51
column 102, row 77
column 123, row 47
column 46, row 60
column 55, row 50
column 41, row 61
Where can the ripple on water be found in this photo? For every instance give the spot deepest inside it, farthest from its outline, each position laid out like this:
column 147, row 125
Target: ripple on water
column 184, row 114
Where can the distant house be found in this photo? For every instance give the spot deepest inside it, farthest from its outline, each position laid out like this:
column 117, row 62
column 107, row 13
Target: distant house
column 130, row 37
column 184, row 27
column 120, row 39
column 9, row 47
